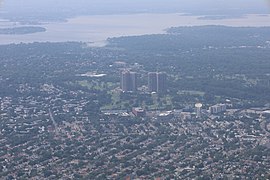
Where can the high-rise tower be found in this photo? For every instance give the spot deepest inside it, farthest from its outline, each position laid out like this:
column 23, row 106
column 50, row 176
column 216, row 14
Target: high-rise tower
column 161, row 82
column 157, row 82
column 129, row 81
column 152, row 82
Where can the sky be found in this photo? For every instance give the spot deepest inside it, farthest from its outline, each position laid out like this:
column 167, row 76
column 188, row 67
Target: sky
column 117, row 5
column 63, row 9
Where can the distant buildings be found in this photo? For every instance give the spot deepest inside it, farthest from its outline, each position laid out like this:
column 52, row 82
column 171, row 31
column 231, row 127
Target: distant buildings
column 185, row 115
column 129, row 81
column 218, row 108
column 157, row 82
column 165, row 116
column 138, row 112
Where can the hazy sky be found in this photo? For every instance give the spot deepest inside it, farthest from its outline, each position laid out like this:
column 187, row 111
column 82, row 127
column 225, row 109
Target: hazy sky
column 24, row 5
column 42, row 9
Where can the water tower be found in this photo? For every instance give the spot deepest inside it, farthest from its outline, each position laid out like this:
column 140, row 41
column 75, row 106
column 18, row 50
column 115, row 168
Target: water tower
column 198, row 107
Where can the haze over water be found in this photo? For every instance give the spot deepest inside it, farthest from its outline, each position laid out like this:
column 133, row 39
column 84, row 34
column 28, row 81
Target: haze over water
column 95, row 21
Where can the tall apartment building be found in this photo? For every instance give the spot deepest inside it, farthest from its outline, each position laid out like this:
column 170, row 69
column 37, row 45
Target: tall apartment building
column 157, row 82
column 161, row 82
column 152, row 82
column 129, row 81
column 218, row 108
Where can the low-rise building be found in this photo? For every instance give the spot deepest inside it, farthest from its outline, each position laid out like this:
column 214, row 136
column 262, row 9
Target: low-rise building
column 138, row 112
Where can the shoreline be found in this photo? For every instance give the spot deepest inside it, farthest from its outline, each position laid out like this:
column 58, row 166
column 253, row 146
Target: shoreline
column 98, row 28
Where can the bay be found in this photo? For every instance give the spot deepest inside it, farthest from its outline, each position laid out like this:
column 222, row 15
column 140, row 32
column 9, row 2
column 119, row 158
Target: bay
column 97, row 28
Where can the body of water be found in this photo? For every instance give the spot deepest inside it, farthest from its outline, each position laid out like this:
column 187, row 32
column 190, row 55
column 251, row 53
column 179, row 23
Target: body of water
column 96, row 29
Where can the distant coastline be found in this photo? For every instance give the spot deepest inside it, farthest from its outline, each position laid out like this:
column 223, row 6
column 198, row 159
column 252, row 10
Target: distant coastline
column 95, row 30
column 21, row 30
column 221, row 17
